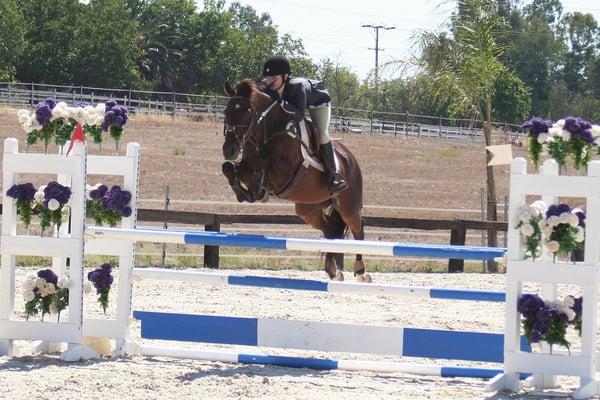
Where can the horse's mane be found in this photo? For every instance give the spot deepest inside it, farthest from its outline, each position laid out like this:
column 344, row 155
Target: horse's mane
column 249, row 88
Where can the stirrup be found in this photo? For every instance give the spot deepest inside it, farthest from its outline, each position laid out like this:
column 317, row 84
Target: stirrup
column 337, row 186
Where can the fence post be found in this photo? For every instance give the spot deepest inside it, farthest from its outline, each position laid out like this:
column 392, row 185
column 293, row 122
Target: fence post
column 32, row 90
column 505, row 240
column 163, row 252
column 216, row 103
column 81, row 93
column 406, row 125
column 174, row 105
column 483, row 202
column 440, row 126
column 211, row 253
column 371, row 122
column 457, row 238
column 129, row 98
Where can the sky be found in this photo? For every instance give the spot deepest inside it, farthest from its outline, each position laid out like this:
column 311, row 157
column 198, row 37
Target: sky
column 332, row 28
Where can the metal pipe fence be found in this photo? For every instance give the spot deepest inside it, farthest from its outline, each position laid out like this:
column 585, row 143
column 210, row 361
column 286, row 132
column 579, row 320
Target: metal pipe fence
column 27, row 95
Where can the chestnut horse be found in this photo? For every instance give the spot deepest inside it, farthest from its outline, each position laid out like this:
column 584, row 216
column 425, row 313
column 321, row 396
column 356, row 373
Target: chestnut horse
column 259, row 129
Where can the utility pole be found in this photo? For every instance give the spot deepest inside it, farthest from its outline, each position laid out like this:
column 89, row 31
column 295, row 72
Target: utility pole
column 377, row 49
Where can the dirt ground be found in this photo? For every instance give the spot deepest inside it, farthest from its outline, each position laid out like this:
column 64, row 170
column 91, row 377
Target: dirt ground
column 44, row 377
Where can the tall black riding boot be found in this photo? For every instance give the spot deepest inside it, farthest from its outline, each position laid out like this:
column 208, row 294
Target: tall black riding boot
column 335, row 181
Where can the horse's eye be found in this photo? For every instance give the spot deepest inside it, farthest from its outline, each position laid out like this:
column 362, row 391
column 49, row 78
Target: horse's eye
column 237, row 106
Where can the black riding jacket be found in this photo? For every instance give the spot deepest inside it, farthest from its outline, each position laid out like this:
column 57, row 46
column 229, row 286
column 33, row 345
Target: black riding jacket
column 299, row 93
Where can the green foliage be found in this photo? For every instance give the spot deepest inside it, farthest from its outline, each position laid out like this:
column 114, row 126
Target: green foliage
column 179, row 150
column 512, row 99
column 51, row 40
column 465, row 67
column 340, row 81
column 12, row 41
column 523, row 58
column 107, row 51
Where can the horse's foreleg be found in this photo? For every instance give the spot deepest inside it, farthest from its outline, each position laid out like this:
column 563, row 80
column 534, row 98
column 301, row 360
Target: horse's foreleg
column 231, row 171
column 257, row 184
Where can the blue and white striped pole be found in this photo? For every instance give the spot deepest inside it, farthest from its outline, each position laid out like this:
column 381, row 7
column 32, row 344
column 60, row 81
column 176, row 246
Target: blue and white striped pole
column 324, row 336
column 321, row 363
column 318, row 285
column 314, row 245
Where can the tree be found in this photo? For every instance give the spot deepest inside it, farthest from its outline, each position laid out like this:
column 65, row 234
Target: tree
column 466, row 68
column 12, row 41
column 293, row 48
column 512, row 99
column 229, row 44
column 535, row 50
column 581, row 35
column 50, row 33
column 341, row 83
column 106, row 51
column 159, row 37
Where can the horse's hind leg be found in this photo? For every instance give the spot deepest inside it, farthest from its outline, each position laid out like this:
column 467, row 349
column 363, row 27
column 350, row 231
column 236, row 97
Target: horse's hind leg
column 357, row 227
column 359, row 265
column 313, row 215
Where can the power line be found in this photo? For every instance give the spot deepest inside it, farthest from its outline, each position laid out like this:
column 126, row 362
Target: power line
column 377, row 49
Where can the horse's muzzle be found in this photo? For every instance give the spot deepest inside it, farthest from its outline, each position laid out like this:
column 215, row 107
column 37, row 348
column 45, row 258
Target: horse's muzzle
column 230, row 151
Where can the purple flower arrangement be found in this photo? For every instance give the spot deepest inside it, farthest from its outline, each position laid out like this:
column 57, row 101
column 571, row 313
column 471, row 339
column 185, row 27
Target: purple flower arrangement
column 44, row 293
column 108, row 206
column 115, row 118
column 102, row 280
column 47, row 203
column 52, row 207
column 535, row 128
column 570, row 137
column 564, row 229
column 548, row 320
column 23, row 195
column 45, row 123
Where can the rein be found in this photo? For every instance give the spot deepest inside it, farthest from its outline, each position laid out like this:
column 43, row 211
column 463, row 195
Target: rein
column 229, row 129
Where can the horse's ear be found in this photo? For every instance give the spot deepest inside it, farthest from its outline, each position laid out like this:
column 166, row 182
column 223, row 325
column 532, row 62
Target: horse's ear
column 228, row 89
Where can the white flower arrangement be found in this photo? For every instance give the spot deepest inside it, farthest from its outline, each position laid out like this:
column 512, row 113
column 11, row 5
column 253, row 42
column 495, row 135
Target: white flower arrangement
column 530, row 222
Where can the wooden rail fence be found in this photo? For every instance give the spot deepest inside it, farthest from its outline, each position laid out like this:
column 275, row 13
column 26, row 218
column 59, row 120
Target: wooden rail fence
column 212, row 222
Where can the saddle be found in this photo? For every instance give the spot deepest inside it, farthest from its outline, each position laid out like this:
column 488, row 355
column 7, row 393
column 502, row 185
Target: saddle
column 310, row 143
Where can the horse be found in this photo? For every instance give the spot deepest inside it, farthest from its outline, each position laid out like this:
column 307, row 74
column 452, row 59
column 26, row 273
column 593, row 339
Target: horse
column 259, row 130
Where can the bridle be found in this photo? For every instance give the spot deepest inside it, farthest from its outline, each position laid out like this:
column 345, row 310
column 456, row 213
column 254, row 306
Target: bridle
column 255, row 121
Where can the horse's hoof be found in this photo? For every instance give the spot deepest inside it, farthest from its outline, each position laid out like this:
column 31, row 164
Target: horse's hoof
column 338, row 276
column 241, row 197
column 228, row 168
column 364, row 278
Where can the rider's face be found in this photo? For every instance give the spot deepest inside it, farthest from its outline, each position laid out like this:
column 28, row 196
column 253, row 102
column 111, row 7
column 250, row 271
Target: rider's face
column 274, row 82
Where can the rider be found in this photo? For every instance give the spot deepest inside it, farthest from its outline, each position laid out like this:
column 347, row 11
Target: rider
column 296, row 94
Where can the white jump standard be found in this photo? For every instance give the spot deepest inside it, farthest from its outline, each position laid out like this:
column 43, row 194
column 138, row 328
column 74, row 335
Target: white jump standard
column 510, row 349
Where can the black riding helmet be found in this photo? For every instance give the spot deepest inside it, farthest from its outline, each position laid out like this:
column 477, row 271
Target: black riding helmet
column 276, row 65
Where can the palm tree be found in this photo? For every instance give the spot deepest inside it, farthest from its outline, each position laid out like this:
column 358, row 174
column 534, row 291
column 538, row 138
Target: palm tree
column 465, row 68
column 158, row 62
